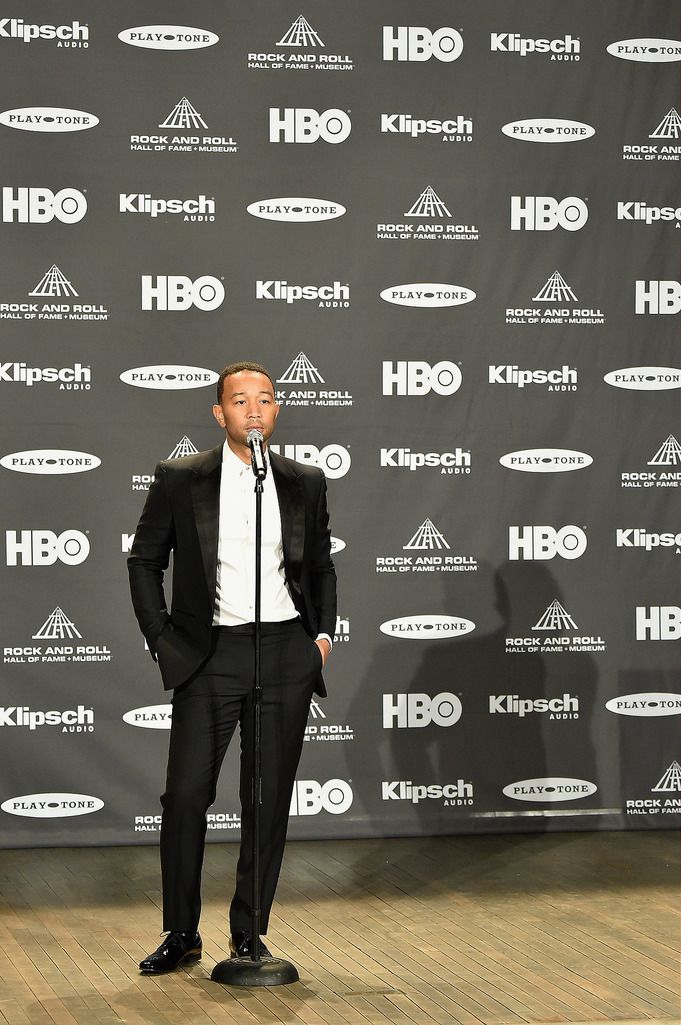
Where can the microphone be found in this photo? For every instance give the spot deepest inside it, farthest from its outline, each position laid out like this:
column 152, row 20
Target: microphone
column 255, row 442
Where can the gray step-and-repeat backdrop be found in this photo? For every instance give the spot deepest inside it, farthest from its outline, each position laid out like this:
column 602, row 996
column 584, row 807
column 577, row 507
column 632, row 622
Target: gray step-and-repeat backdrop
column 451, row 232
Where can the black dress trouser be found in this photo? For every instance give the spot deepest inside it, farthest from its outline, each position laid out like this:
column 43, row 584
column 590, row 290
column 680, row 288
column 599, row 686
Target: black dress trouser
column 205, row 712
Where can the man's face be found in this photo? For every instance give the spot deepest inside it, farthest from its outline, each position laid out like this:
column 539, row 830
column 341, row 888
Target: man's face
column 247, row 402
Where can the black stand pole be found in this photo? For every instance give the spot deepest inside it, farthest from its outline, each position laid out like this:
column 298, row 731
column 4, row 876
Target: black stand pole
column 254, row 970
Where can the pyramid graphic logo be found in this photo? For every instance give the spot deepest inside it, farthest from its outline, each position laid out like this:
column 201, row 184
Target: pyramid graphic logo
column 56, row 627
column 54, row 283
column 301, row 371
column 316, row 710
column 556, row 290
column 668, row 454
column 669, row 127
column 300, row 33
column 428, row 204
column 670, row 781
column 555, row 618
column 427, row 536
column 184, row 447
column 183, row 115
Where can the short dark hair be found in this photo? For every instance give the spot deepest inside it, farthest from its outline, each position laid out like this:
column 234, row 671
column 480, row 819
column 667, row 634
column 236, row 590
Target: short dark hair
column 236, row 368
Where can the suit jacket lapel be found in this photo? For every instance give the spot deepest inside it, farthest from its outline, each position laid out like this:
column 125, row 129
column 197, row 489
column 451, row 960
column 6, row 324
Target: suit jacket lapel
column 292, row 511
column 205, row 488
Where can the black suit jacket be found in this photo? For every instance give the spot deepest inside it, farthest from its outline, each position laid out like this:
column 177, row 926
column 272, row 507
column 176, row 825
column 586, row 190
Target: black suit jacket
column 181, row 515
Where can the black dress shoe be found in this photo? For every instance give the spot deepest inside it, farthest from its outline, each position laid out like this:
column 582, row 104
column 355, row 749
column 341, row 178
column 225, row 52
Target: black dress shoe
column 240, row 945
column 177, row 948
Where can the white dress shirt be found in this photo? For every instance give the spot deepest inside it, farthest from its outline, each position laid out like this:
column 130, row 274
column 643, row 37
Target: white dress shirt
column 235, row 591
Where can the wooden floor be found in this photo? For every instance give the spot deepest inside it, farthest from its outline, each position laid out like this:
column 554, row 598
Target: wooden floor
column 571, row 927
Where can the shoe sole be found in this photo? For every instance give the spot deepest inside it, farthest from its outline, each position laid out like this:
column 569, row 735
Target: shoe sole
column 190, row 958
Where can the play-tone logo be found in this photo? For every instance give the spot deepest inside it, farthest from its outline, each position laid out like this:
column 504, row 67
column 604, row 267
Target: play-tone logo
column 150, row 717
column 555, row 632
column 311, row 797
column 40, row 206
column 436, row 224
column 168, row 37
column 426, row 539
column 555, row 290
column 306, row 125
column 427, row 627
column 169, row 377
column 428, row 295
column 658, row 623
column 543, row 543
column 200, row 209
column 416, row 43
column 544, row 213
column 658, row 297
column 456, row 128
column 565, row 48
column 297, row 46
column 548, row 129
column 565, row 707
column 74, row 378
column 327, row 297
column 302, row 379
column 648, row 50
column 50, row 461
column 645, row 378
column 416, row 377
column 333, row 460
column 57, row 293
column 546, row 460
column 52, row 806
column 668, row 454
column 44, row 547
column 73, row 36
column 178, row 292
column 452, row 795
column 562, row 380
column 415, row 711
column 289, row 208
column 455, row 462
column 646, row 704
column 183, row 117
column 48, row 119
column 550, row 789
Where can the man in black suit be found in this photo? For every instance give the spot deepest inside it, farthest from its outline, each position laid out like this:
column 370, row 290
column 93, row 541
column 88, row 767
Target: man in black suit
column 202, row 509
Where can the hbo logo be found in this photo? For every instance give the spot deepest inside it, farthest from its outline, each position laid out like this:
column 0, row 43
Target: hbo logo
column 44, row 547
column 38, row 206
column 303, row 124
column 544, row 213
column 176, row 292
column 415, row 377
column 540, row 543
column 310, row 797
column 415, row 43
column 334, row 460
column 658, row 623
column 416, row 710
column 658, row 297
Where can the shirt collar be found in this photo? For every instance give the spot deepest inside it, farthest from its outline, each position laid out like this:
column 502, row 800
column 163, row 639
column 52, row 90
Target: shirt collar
column 232, row 463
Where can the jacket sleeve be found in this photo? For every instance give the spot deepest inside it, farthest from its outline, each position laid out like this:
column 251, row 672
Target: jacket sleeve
column 148, row 560
column 323, row 573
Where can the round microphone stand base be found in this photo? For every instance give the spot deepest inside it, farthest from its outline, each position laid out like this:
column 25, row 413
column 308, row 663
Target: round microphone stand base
column 244, row 971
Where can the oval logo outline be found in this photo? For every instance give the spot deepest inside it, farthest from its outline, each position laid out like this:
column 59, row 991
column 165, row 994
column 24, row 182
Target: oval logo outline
column 427, row 628
column 296, row 203
column 651, row 709
column 52, row 799
column 550, row 125
column 546, row 455
column 644, row 58
column 163, row 710
column 648, row 372
column 52, row 455
column 431, row 300
column 49, row 116
column 168, row 32
column 550, row 783
column 167, row 384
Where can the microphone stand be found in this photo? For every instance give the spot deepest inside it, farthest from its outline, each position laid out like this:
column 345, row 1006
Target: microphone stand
column 254, row 970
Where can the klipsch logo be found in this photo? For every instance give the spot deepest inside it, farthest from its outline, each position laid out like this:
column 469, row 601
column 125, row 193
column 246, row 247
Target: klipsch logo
column 427, row 627
column 71, row 720
column 72, row 36
column 558, row 305
column 555, row 632
column 185, row 119
column 669, row 128
column 48, row 119
column 50, row 461
column 428, row 295
column 416, row 43
column 647, row 50
column 302, row 380
column 168, row 377
column 565, row 707
column 668, row 454
column 333, row 460
column 646, row 704
column 635, row 210
column 548, row 129
column 177, row 292
column 424, row 544
column 458, row 461
column 658, row 297
column 639, row 537
column 416, row 377
column 333, row 296
column 455, row 128
column 150, row 717
column 306, row 125
column 564, row 379
column 658, row 623
column 296, row 52
column 546, row 460
column 429, row 219
column 75, row 378
column 311, row 797
column 44, row 547
column 52, row 806
column 544, row 213
column 184, row 447
column 57, row 293
column 290, row 208
column 199, row 209
column 168, row 37
column 542, row 543
column 40, row 206
column 58, row 641
column 550, row 789
column 645, row 378
column 562, row 48
column 668, row 784
column 452, row 795
column 416, row 711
